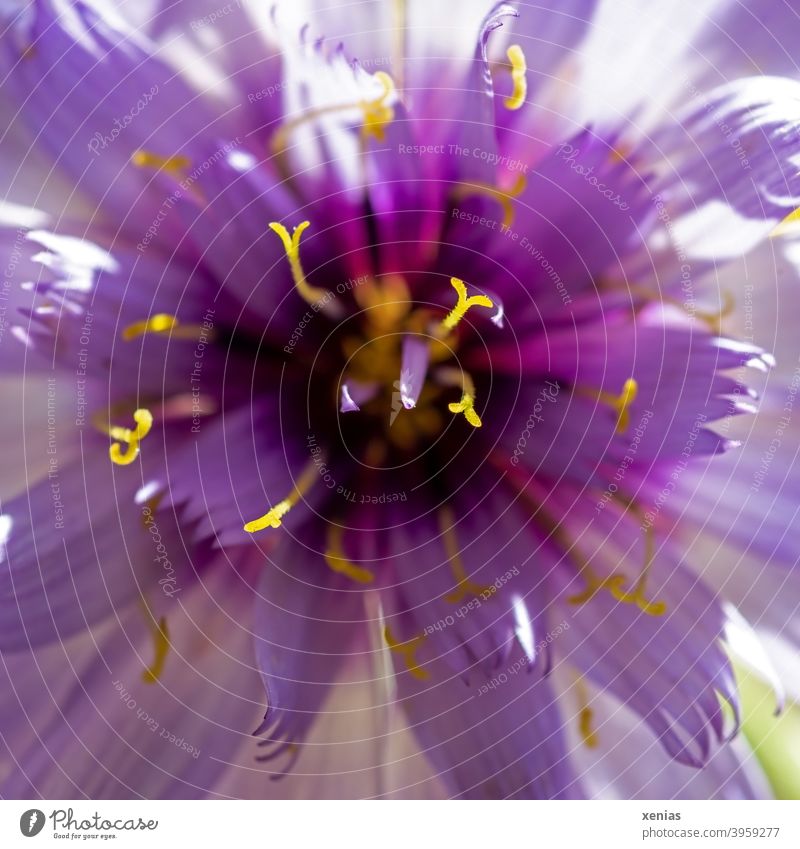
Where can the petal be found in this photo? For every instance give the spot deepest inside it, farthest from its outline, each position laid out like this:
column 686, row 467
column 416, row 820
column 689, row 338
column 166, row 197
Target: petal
column 737, row 145
column 76, row 302
column 628, row 762
column 680, row 389
column 308, row 621
column 80, row 720
column 224, row 50
column 627, row 63
column 476, row 600
column 669, row 669
column 233, row 469
column 413, row 369
column 496, row 738
column 577, row 217
column 75, row 548
column 92, row 92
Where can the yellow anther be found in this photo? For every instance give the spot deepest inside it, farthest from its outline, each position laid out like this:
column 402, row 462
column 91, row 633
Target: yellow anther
column 789, row 224
column 635, row 596
column 615, row 584
column 464, row 303
column 466, row 406
column 619, row 403
column 585, row 715
column 161, row 650
column 291, row 244
column 377, row 113
column 465, row 586
column 585, row 727
column 164, row 324
column 408, row 651
column 502, row 196
column 171, row 164
column 132, row 438
column 161, row 323
column 714, row 319
column 455, row 377
column 272, row 518
column 593, row 586
column 338, row 562
column 518, row 78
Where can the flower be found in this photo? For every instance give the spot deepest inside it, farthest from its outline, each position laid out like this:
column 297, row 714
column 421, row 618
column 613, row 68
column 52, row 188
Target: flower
column 415, row 343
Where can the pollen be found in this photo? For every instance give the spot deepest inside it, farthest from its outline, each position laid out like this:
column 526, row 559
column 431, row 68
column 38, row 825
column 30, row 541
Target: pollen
column 463, row 304
column 131, row 438
column 465, row 586
column 175, row 165
column 408, row 651
column 291, row 244
column 502, row 196
column 161, row 647
column 338, row 562
column 518, row 78
column 272, row 518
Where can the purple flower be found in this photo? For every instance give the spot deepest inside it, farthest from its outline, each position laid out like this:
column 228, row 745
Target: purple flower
column 410, row 361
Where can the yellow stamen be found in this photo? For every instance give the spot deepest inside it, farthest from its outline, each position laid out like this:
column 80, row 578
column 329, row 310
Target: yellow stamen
column 615, row 584
column 175, row 165
column 455, row 377
column 144, row 421
column 502, row 196
column 636, row 596
column 619, row 403
column 386, row 302
column 786, row 225
column 465, row 406
column 585, row 727
column 465, row 586
column 337, row 560
column 160, row 323
column 291, row 244
column 714, row 319
column 161, row 650
column 377, row 114
column 407, row 651
column 585, row 716
column 518, row 69
column 272, row 518
column 463, row 305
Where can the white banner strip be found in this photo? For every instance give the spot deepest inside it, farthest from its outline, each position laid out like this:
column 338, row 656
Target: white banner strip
column 400, row 825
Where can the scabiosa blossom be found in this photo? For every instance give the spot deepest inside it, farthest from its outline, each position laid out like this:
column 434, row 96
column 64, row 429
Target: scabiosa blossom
column 410, row 350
